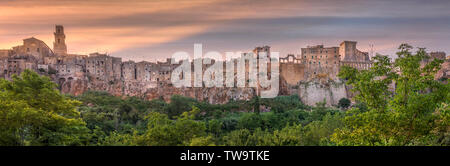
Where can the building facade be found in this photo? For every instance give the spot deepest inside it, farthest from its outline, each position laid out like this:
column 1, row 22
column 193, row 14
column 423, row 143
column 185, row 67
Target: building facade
column 315, row 67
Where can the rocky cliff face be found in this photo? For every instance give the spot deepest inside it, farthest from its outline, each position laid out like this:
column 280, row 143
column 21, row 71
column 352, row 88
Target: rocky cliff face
column 74, row 87
column 314, row 91
column 311, row 91
column 150, row 92
column 210, row 95
column 330, row 92
column 444, row 72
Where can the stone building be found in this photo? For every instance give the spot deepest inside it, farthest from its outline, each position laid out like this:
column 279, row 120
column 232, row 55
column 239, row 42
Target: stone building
column 320, row 61
column 17, row 64
column 34, row 47
column 312, row 74
column 102, row 67
column 144, row 71
column 71, row 67
column 164, row 71
column 320, row 55
column 129, row 71
column 351, row 56
column 59, row 46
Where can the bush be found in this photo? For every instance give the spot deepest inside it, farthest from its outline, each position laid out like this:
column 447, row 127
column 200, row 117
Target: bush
column 344, row 103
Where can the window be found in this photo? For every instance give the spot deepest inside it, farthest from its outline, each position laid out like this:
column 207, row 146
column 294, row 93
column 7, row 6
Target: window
column 37, row 49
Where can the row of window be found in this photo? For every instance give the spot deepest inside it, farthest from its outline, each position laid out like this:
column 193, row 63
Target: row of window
column 98, row 62
column 37, row 49
column 313, row 51
column 317, row 57
column 326, row 62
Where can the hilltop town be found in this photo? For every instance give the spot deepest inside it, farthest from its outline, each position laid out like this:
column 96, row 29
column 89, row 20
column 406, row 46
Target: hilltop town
column 312, row 74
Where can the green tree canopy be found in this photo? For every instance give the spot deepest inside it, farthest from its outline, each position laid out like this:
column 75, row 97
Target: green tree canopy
column 33, row 112
column 403, row 99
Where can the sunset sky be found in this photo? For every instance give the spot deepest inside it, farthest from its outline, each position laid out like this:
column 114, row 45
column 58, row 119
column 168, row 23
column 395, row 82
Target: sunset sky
column 155, row 29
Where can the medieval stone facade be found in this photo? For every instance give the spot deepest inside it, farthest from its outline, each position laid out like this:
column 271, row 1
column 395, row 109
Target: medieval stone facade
column 312, row 74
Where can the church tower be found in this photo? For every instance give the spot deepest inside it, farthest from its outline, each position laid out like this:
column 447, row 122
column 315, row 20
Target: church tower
column 59, row 46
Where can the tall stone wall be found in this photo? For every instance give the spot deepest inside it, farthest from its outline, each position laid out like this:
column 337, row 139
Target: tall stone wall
column 330, row 91
column 292, row 73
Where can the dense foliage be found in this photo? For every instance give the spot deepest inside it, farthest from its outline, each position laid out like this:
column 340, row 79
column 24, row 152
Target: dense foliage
column 33, row 112
column 415, row 113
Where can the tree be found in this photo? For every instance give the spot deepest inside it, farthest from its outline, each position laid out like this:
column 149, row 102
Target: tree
column 239, row 137
column 202, row 141
column 344, row 103
column 255, row 104
column 179, row 104
column 281, row 104
column 161, row 131
column 250, row 121
column 113, row 114
column 33, row 112
column 404, row 117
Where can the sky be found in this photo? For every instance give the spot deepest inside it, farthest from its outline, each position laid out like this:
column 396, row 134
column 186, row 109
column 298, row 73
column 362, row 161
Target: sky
column 153, row 30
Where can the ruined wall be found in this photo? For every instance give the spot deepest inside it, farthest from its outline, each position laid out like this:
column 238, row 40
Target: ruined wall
column 313, row 92
column 292, row 73
column 313, row 82
column 210, row 95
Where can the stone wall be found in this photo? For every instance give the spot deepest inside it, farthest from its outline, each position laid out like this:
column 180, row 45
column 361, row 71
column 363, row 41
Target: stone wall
column 315, row 91
column 311, row 75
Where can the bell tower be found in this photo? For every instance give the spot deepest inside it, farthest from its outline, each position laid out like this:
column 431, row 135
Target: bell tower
column 59, row 46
